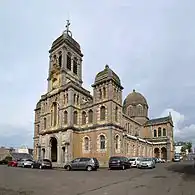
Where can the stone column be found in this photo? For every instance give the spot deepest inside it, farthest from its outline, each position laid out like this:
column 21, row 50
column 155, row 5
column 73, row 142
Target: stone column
column 64, row 58
column 70, row 109
column 59, row 154
column 66, row 153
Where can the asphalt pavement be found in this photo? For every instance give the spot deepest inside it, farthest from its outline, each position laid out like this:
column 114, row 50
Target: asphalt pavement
column 168, row 178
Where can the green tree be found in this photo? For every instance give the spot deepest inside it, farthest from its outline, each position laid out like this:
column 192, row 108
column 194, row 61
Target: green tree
column 189, row 146
column 183, row 149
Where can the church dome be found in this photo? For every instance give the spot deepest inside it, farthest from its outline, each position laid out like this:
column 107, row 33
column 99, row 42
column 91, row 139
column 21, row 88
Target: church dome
column 135, row 98
column 107, row 74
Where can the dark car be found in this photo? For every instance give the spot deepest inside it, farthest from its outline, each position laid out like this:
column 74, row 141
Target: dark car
column 42, row 164
column 119, row 162
column 83, row 163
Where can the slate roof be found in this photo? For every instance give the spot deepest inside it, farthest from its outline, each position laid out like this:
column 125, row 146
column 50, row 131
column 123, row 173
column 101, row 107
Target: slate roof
column 18, row 156
column 161, row 120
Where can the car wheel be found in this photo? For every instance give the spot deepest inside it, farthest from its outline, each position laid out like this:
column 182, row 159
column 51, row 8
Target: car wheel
column 40, row 167
column 68, row 168
column 23, row 166
column 123, row 167
column 89, row 168
column 32, row 167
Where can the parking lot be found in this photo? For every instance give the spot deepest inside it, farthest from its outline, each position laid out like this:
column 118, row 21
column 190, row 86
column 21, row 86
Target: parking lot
column 164, row 179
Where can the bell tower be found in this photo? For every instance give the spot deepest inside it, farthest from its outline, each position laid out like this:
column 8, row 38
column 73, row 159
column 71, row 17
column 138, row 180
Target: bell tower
column 65, row 63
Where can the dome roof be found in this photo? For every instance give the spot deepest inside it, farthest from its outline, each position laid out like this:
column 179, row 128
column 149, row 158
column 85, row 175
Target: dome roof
column 107, row 74
column 135, row 98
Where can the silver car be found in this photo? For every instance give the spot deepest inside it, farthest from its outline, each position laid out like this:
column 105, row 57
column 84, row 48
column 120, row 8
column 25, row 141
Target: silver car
column 146, row 163
column 25, row 163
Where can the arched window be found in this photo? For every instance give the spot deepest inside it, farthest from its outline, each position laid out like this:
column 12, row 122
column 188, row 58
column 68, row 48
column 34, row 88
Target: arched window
column 74, row 98
column 77, row 99
column 84, row 118
column 68, row 62
column 164, row 132
column 155, row 134
column 140, row 108
column 130, row 110
column 60, row 60
column 100, row 91
column 102, row 142
column 159, row 132
column 116, row 114
column 75, row 66
column 65, row 117
column 117, row 142
column 90, row 115
column 44, row 123
column 67, row 98
column 75, row 117
column 54, row 114
column 102, row 113
column 86, row 143
column 104, row 92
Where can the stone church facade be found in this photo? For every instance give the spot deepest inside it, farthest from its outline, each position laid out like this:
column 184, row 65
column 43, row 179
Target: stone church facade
column 70, row 122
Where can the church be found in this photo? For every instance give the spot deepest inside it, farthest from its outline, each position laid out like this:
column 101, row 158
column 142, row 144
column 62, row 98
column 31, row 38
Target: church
column 70, row 122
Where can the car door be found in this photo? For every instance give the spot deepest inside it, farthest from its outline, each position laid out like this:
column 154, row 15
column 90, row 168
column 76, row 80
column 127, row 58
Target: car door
column 82, row 164
column 75, row 163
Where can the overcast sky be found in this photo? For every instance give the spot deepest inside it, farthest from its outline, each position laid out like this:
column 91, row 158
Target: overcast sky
column 149, row 44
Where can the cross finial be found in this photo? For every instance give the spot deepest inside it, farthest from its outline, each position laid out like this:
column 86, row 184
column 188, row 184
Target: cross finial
column 67, row 31
column 67, row 25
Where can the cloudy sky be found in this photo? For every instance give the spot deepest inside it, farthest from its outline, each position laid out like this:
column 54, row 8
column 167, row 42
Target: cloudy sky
column 149, row 44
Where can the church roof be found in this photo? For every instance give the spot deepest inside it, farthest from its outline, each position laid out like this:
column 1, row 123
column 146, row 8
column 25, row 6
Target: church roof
column 107, row 74
column 134, row 98
column 161, row 120
column 65, row 37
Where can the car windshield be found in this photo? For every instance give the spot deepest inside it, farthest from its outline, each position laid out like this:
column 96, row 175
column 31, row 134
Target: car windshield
column 115, row 158
column 46, row 160
column 28, row 160
column 132, row 159
column 146, row 159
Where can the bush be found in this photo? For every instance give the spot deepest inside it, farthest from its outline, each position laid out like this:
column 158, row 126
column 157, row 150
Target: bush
column 5, row 160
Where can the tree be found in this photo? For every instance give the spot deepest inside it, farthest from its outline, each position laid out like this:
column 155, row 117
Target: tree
column 183, row 149
column 189, row 146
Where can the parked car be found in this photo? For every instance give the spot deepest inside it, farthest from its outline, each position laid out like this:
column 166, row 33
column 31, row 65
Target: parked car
column 176, row 159
column 12, row 163
column 163, row 160
column 42, row 164
column 83, row 163
column 25, row 163
column 119, row 162
column 154, row 159
column 146, row 163
column 134, row 161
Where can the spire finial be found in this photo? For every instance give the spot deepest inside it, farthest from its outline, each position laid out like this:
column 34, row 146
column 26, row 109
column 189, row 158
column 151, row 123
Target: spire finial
column 67, row 31
column 106, row 66
column 133, row 90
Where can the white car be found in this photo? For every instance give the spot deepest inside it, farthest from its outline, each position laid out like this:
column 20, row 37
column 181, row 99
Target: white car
column 146, row 163
column 134, row 161
column 25, row 163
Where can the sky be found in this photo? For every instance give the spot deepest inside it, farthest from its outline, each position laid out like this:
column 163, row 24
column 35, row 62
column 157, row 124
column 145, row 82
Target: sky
column 149, row 44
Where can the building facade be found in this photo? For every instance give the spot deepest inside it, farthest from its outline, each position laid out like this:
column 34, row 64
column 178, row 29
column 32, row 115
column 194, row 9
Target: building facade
column 70, row 122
